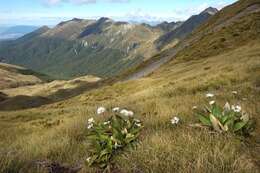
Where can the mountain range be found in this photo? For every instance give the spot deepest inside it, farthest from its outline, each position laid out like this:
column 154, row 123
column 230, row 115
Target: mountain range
column 101, row 47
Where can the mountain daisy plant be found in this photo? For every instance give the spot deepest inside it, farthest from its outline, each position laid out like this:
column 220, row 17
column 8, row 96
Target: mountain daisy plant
column 226, row 119
column 108, row 138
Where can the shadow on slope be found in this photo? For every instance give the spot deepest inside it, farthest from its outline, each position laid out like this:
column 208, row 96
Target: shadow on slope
column 20, row 102
column 2, row 96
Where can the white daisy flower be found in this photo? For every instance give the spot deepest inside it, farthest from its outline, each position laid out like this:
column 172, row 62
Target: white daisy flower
column 101, row 110
column 209, row 95
column 116, row 109
column 106, row 123
column 91, row 120
column 88, row 159
column 130, row 113
column 236, row 108
column 90, row 126
column 127, row 113
column 234, row 92
column 212, row 102
column 194, row 107
column 175, row 120
column 124, row 111
column 138, row 124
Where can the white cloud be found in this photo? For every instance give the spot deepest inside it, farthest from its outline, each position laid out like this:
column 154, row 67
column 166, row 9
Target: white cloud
column 52, row 2
column 55, row 2
column 221, row 4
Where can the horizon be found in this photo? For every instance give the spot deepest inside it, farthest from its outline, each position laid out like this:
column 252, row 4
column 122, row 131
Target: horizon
column 52, row 12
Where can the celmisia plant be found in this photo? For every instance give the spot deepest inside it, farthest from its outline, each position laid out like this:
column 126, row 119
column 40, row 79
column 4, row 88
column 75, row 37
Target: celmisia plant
column 107, row 138
column 226, row 119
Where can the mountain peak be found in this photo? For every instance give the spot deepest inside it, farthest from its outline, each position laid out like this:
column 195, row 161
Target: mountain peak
column 72, row 20
column 76, row 19
column 45, row 28
column 210, row 10
column 104, row 19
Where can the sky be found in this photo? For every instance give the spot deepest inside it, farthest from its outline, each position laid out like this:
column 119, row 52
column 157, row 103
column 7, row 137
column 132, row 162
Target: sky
column 51, row 12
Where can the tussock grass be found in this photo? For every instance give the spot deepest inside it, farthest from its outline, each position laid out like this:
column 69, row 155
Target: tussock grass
column 172, row 90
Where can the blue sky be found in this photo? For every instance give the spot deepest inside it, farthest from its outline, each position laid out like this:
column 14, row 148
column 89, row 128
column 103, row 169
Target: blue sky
column 50, row 12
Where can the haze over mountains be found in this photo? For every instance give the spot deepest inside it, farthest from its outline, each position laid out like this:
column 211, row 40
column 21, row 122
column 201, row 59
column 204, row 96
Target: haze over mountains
column 101, row 47
column 14, row 32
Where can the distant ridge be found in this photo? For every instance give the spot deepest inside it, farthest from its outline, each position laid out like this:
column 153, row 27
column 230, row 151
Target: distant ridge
column 212, row 11
column 185, row 28
column 169, row 26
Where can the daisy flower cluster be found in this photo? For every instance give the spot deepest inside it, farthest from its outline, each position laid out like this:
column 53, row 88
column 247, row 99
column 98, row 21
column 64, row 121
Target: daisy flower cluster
column 227, row 118
column 119, row 130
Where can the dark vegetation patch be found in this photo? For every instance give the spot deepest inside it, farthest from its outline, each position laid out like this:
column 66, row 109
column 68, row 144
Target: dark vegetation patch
column 22, row 102
column 55, row 54
column 2, row 96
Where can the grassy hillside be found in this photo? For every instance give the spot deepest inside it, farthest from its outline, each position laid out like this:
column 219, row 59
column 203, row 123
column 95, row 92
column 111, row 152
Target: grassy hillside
column 57, row 132
column 233, row 26
column 15, row 76
column 213, row 37
column 47, row 89
column 35, row 94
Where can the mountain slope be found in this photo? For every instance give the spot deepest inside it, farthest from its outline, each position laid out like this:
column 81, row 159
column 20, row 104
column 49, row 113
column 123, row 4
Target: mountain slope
column 103, row 48
column 34, row 34
column 14, row 76
column 49, row 88
column 30, row 95
column 21, row 88
column 234, row 26
column 241, row 24
column 186, row 28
